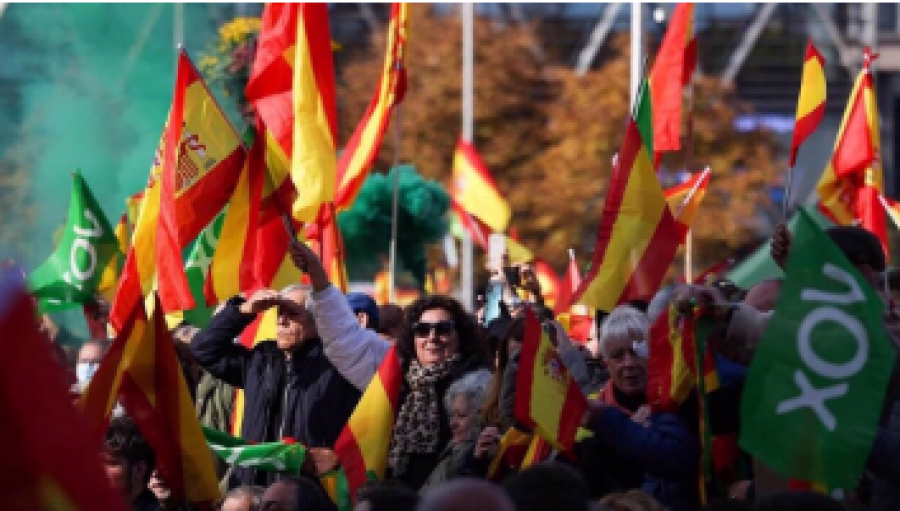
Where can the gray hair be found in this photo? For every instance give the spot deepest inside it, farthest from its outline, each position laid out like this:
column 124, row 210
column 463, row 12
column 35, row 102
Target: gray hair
column 625, row 322
column 473, row 386
column 307, row 303
column 254, row 493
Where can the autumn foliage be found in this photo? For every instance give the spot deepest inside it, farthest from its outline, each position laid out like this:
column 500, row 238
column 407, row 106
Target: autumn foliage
column 549, row 135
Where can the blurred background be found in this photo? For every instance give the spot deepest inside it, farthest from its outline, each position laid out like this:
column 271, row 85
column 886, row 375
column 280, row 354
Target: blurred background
column 88, row 86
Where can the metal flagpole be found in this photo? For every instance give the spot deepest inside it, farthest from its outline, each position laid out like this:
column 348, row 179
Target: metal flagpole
column 468, row 12
column 392, row 274
column 637, row 48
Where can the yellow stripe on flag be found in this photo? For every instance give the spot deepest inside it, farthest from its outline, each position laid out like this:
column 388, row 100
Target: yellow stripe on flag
column 229, row 251
column 812, row 88
column 371, row 431
column 474, row 190
column 314, row 158
column 639, row 215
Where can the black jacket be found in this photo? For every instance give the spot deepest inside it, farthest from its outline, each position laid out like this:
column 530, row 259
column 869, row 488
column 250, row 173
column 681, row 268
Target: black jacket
column 304, row 398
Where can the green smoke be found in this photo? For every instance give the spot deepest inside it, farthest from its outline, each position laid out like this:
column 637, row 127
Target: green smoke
column 88, row 86
column 366, row 228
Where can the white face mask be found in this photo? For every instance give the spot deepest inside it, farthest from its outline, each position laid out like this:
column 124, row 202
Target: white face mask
column 85, row 370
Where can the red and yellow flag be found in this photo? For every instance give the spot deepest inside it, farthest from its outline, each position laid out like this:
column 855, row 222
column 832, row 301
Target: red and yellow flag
column 512, row 450
column 674, row 359
column 142, row 371
column 684, row 200
column 474, row 189
column 325, row 237
column 672, row 346
column 202, row 157
column 637, row 236
column 672, row 70
column 231, row 270
column 292, row 88
column 853, row 179
column 362, row 447
column 50, row 460
column 811, row 103
column 360, row 152
column 547, row 398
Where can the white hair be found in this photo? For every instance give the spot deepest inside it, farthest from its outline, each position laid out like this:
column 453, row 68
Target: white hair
column 625, row 323
column 307, row 303
column 473, row 386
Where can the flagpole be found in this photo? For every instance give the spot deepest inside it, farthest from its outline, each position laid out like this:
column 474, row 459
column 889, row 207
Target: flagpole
column 637, row 49
column 392, row 273
column 688, row 164
column 468, row 12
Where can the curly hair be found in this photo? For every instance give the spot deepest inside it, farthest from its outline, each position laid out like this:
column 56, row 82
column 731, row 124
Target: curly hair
column 471, row 342
column 124, row 440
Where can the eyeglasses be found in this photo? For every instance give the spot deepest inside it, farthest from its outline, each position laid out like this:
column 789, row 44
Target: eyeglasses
column 423, row 329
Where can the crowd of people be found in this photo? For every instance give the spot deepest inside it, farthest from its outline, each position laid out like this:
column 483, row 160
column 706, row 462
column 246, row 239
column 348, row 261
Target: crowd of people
column 457, row 400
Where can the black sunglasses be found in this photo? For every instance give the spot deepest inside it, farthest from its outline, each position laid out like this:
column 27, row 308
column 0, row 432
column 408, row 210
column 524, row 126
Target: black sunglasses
column 423, row 329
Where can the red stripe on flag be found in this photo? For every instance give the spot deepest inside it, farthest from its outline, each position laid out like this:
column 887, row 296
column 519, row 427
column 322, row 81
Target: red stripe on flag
column 318, row 38
column 174, row 290
column 654, row 263
column 618, row 183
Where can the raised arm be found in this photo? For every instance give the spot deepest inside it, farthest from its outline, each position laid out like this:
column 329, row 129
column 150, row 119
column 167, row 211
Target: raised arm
column 214, row 346
column 353, row 350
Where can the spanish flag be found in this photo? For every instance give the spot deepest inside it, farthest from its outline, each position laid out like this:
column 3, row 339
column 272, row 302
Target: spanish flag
column 292, row 88
column 673, row 365
column 672, row 70
column 474, row 189
column 849, row 187
column 510, row 453
column 142, row 371
column 50, row 460
column 359, row 154
column 811, row 103
column 362, row 447
column 684, row 200
column 139, row 273
column 637, row 236
column 326, row 239
column 202, row 158
column 547, row 398
column 231, row 270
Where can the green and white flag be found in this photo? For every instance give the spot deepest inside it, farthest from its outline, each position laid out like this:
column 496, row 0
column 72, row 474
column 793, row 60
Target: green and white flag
column 71, row 275
column 814, row 391
column 271, row 456
column 197, row 267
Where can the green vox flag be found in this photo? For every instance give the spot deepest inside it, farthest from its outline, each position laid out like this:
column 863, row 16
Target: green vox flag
column 71, row 275
column 814, row 391
column 197, row 267
column 271, row 456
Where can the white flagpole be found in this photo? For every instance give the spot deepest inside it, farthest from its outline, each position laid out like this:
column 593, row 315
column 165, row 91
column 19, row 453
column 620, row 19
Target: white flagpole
column 468, row 14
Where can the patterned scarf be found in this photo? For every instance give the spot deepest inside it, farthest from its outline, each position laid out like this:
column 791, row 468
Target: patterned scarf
column 418, row 423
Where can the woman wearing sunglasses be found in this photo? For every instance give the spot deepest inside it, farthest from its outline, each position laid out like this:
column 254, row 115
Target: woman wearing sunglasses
column 439, row 343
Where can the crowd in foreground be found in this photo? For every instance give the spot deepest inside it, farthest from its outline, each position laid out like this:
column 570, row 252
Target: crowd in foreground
column 458, row 396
